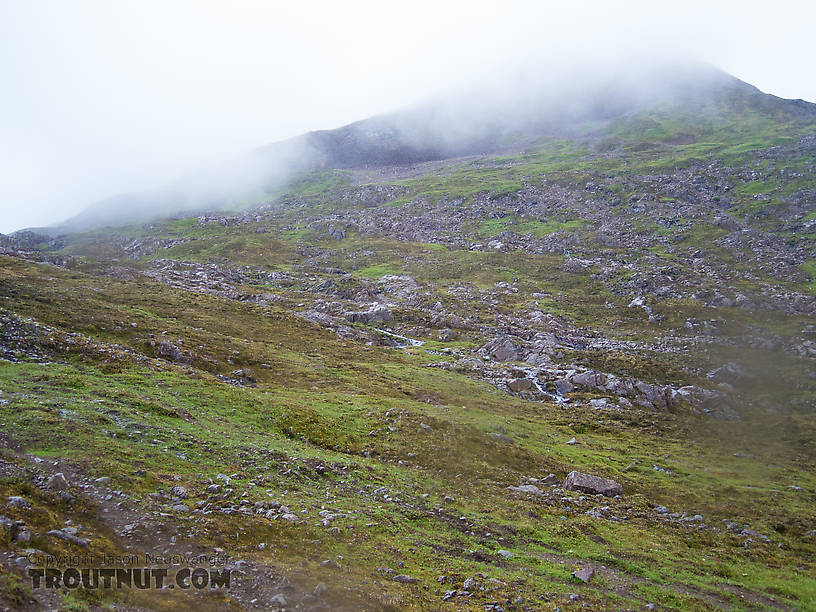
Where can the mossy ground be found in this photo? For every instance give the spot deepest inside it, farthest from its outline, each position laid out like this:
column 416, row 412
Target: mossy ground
column 327, row 400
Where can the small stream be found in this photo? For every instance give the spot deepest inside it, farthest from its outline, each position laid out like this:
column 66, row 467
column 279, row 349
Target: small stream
column 406, row 341
column 532, row 375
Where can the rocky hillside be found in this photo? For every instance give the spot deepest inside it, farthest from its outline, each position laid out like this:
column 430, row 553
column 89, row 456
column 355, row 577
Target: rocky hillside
column 553, row 365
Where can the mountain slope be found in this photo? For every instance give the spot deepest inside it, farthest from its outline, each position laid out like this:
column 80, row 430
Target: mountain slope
column 373, row 384
column 701, row 101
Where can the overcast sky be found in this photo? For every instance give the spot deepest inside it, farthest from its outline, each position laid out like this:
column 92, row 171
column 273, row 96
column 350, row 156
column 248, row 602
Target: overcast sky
column 103, row 97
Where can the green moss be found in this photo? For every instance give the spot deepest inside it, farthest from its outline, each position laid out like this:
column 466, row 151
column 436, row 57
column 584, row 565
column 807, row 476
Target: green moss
column 809, row 268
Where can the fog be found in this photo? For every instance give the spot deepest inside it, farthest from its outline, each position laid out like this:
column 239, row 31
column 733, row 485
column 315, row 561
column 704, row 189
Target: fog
column 104, row 98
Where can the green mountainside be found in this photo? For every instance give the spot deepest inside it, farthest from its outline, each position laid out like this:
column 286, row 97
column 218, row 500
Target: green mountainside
column 366, row 387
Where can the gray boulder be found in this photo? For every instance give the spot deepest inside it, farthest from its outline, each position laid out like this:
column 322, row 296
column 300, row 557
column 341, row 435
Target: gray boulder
column 376, row 314
column 517, row 385
column 57, row 482
column 587, row 483
column 502, row 348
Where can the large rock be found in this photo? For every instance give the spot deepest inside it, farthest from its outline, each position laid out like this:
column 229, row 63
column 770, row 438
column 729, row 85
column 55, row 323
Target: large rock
column 653, row 395
column 731, row 373
column 57, row 482
column 589, row 379
column 619, row 386
column 587, row 483
column 562, row 386
column 502, row 348
column 69, row 537
column 398, row 286
column 376, row 314
column 584, row 574
column 517, row 385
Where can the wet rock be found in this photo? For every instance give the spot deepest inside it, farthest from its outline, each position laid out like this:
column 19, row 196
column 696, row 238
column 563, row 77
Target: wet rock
column 587, row 483
column 562, row 386
column 517, row 385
